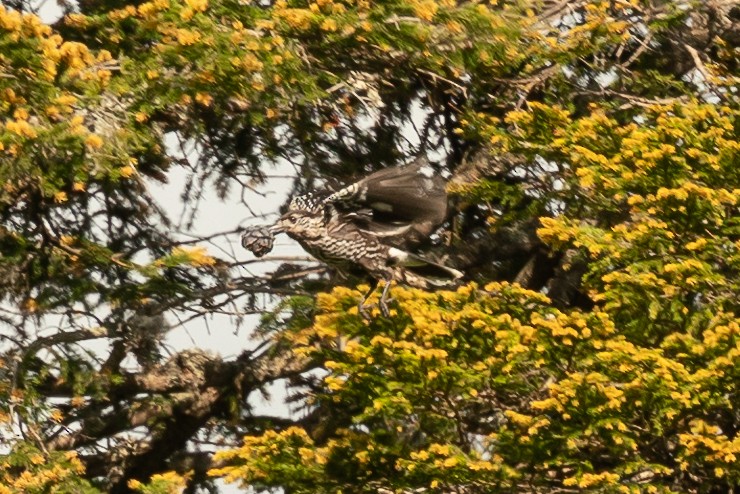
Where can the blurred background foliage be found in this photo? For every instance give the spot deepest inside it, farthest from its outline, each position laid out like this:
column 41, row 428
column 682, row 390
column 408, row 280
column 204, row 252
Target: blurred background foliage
column 592, row 153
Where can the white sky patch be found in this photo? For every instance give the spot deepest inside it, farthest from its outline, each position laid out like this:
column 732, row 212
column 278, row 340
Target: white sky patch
column 48, row 10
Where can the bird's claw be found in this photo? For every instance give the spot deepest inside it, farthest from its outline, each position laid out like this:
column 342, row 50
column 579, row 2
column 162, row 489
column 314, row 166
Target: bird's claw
column 384, row 309
column 382, row 302
column 362, row 309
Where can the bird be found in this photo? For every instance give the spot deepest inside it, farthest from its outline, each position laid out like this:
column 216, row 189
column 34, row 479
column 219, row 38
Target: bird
column 370, row 227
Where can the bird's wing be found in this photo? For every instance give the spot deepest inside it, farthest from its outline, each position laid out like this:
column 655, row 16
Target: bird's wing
column 407, row 193
column 405, row 203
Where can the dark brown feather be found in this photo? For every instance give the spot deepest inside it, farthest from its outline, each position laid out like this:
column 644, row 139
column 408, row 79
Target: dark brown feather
column 406, row 203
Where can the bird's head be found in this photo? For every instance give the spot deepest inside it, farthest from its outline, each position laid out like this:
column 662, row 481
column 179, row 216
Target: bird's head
column 307, row 203
column 300, row 223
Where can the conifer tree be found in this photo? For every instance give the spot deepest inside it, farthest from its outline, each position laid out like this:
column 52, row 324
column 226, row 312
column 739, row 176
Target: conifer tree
column 592, row 151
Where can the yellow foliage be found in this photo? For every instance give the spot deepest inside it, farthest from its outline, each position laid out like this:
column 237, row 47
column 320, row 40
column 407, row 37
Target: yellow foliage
column 329, row 24
column 645, row 189
column 296, row 18
column 197, row 256
column 197, row 5
column 169, row 482
column 425, row 9
column 94, row 141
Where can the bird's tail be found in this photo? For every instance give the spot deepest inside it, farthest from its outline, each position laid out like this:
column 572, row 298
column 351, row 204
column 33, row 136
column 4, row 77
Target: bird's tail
column 434, row 273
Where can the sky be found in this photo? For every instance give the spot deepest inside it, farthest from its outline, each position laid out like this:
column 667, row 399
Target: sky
column 218, row 334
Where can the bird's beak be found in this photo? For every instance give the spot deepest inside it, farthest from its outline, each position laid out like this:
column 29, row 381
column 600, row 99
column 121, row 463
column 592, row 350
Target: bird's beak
column 276, row 228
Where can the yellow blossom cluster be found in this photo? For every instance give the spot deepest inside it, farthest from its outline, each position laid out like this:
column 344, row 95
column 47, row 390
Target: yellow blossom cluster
column 169, row 482
column 667, row 174
column 603, row 21
column 709, row 443
column 425, row 9
column 18, row 25
column 195, row 256
column 44, row 107
column 146, row 10
column 34, row 471
column 591, row 480
column 299, row 19
column 252, row 461
column 469, row 345
column 193, row 7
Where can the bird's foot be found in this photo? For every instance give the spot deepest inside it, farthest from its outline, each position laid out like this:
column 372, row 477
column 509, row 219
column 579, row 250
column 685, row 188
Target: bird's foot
column 384, row 308
column 384, row 299
column 363, row 308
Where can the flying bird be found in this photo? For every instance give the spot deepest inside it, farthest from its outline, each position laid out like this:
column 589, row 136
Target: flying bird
column 370, row 227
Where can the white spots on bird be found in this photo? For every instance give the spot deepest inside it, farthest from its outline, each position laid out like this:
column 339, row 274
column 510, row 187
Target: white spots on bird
column 391, row 232
column 426, row 171
column 397, row 255
column 456, row 275
column 347, row 192
column 382, row 207
column 307, row 203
